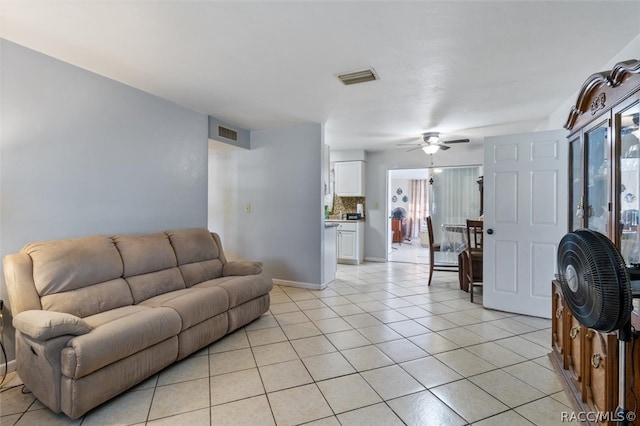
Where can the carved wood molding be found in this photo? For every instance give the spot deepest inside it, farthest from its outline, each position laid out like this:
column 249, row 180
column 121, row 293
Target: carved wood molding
column 592, row 96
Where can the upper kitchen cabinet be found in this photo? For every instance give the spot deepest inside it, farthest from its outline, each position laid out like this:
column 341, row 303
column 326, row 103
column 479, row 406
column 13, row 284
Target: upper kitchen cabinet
column 604, row 152
column 350, row 178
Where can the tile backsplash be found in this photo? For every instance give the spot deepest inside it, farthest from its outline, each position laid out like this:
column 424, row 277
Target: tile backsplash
column 348, row 205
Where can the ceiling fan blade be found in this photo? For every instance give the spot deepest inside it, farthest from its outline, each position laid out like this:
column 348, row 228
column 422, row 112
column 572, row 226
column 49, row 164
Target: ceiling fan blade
column 456, row 141
column 410, row 144
column 417, row 147
column 443, row 147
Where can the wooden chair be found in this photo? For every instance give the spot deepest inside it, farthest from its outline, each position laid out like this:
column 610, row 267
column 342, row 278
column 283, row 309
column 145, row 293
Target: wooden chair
column 474, row 254
column 434, row 247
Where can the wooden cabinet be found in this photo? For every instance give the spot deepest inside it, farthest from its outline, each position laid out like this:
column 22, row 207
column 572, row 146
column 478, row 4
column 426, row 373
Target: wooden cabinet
column 604, row 195
column 557, row 325
column 351, row 242
column 398, row 226
column 587, row 361
column 575, row 349
column 601, row 371
column 350, row 178
column 604, row 156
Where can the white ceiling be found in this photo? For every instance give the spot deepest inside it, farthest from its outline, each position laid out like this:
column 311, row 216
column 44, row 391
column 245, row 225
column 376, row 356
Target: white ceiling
column 464, row 68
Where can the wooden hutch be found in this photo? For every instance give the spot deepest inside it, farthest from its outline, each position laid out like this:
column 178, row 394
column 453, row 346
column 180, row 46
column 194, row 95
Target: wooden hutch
column 604, row 195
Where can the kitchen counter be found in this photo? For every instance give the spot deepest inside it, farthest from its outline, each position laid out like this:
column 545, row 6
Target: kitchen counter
column 330, row 224
column 343, row 220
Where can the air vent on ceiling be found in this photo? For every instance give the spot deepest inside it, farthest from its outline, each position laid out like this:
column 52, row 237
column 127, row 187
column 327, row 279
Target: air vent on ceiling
column 358, row 77
column 227, row 133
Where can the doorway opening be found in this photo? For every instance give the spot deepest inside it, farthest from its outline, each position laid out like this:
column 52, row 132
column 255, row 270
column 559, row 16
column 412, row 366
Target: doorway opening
column 450, row 195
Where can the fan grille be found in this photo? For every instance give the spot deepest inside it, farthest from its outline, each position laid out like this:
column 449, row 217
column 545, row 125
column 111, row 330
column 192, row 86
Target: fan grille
column 594, row 280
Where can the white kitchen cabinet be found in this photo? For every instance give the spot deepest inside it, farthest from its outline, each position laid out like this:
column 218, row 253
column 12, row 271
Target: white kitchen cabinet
column 351, row 242
column 350, row 177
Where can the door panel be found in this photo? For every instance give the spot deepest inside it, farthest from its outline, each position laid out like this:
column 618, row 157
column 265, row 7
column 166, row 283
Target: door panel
column 506, row 266
column 347, row 247
column 525, row 185
column 507, row 211
column 544, row 207
column 543, row 260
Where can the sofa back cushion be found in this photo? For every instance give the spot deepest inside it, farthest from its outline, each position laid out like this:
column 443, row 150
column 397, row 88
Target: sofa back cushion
column 80, row 276
column 63, row 265
column 150, row 265
column 91, row 300
column 198, row 254
column 142, row 254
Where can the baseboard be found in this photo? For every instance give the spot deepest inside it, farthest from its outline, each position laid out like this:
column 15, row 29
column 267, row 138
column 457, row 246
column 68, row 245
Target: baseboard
column 375, row 259
column 298, row 284
column 11, row 367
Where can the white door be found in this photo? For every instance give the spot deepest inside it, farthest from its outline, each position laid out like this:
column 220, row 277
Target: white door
column 525, row 188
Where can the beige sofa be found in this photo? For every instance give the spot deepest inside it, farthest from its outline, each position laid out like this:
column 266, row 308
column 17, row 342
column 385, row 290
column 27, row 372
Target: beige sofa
column 97, row 315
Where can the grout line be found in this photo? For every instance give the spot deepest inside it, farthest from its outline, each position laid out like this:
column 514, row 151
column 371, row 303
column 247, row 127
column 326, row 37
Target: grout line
column 381, row 284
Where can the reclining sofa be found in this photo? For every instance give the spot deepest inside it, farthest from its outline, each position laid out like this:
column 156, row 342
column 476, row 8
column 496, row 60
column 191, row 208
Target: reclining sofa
column 96, row 315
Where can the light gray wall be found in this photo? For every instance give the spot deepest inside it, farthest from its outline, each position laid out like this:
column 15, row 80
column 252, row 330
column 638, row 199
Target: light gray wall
column 81, row 154
column 279, row 179
column 557, row 119
column 378, row 165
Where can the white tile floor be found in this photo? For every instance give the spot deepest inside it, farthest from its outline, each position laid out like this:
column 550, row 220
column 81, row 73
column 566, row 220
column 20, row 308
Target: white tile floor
column 378, row 347
column 409, row 252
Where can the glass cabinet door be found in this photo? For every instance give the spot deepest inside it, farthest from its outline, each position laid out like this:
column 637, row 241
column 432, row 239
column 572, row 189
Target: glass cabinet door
column 576, row 188
column 598, row 168
column 628, row 133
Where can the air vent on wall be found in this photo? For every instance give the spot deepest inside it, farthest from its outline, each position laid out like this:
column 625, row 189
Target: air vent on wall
column 227, row 133
column 358, row 77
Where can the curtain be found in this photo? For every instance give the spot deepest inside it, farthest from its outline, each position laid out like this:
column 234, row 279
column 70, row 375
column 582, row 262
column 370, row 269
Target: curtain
column 418, row 205
column 455, row 198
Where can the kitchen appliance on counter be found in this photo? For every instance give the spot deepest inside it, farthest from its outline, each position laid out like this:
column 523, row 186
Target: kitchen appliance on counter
column 354, row 216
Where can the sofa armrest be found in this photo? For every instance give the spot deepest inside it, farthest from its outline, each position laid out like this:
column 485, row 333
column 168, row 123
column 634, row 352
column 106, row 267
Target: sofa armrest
column 241, row 267
column 46, row 325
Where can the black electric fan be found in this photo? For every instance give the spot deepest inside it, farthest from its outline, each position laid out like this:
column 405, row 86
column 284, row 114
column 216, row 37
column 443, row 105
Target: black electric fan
column 597, row 289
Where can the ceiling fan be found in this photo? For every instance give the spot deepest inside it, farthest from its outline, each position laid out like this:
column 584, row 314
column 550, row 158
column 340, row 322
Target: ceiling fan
column 431, row 143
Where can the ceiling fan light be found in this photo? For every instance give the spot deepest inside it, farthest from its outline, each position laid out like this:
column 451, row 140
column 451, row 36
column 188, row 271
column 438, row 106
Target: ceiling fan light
column 430, row 149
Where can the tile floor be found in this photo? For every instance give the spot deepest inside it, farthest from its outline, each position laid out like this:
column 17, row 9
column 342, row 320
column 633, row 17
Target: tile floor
column 377, row 347
column 409, row 251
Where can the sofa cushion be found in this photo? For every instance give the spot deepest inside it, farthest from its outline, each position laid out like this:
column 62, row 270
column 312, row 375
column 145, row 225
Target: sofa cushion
column 241, row 289
column 198, row 253
column 43, row 325
column 193, row 305
column 242, row 267
column 64, row 265
column 104, row 317
column 193, row 245
column 152, row 284
column 118, row 339
column 87, row 301
column 194, row 273
column 142, row 254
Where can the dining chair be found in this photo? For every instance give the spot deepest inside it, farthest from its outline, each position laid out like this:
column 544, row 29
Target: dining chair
column 433, row 248
column 474, row 254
